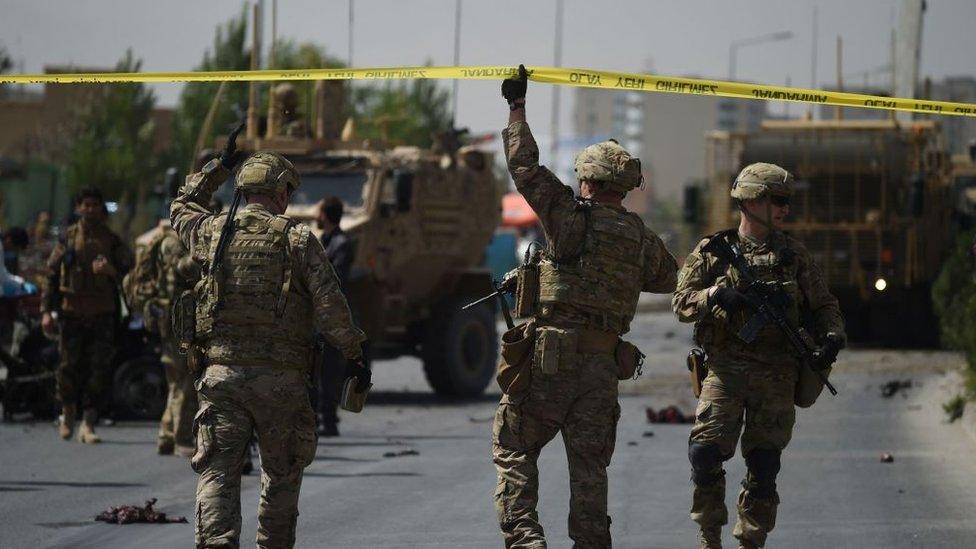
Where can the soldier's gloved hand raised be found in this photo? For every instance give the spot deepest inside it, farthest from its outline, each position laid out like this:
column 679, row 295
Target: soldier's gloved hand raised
column 358, row 370
column 227, row 157
column 827, row 353
column 513, row 89
column 730, row 300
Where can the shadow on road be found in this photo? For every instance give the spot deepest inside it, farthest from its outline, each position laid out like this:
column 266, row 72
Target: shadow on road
column 401, row 398
column 353, row 475
column 340, row 458
column 72, row 484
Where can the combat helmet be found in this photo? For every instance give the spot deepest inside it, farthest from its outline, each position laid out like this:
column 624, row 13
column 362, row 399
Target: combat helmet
column 267, row 172
column 760, row 178
column 611, row 164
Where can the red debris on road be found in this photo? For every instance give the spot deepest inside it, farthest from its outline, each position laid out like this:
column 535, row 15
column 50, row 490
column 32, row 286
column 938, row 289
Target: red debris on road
column 671, row 414
column 128, row 514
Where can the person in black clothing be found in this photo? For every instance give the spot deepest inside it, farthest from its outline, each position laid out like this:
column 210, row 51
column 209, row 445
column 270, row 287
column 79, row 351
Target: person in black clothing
column 341, row 253
column 15, row 241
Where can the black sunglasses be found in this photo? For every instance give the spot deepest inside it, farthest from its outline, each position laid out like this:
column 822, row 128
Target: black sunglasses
column 780, row 201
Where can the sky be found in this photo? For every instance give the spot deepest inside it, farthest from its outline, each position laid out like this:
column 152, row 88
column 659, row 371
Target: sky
column 689, row 37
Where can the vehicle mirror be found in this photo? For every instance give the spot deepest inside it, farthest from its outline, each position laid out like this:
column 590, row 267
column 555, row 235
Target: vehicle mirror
column 403, row 183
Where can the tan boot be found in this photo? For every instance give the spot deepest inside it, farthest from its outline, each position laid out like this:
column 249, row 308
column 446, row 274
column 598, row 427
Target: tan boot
column 710, row 537
column 86, row 433
column 67, row 425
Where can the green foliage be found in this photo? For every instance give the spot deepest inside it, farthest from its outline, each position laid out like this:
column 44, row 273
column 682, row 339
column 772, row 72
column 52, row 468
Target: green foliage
column 6, row 62
column 113, row 147
column 408, row 113
column 228, row 53
column 954, row 301
column 954, row 408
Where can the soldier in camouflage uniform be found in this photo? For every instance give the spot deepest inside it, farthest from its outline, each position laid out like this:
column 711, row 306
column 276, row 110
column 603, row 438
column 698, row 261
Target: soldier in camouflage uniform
column 81, row 297
column 165, row 260
column 256, row 316
column 749, row 388
column 600, row 258
column 292, row 122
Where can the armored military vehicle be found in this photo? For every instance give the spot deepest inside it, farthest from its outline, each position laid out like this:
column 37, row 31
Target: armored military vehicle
column 964, row 187
column 420, row 220
column 872, row 205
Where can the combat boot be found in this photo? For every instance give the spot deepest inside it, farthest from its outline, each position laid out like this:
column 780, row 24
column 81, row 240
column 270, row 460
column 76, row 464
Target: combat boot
column 67, row 425
column 86, row 433
column 710, row 537
column 165, row 446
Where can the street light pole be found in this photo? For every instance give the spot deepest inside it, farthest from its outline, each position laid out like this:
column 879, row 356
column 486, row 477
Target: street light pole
column 736, row 44
column 457, row 60
column 557, row 55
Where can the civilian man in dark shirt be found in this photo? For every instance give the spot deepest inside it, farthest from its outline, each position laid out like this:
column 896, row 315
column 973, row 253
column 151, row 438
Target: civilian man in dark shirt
column 339, row 249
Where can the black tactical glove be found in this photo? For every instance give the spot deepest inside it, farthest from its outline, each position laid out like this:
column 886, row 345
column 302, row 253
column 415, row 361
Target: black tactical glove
column 227, row 157
column 827, row 353
column 513, row 89
column 730, row 300
column 359, row 370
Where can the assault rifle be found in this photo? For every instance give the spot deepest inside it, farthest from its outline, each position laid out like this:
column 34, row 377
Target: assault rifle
column 227, row 231
column 507, row 286
column 769, row 304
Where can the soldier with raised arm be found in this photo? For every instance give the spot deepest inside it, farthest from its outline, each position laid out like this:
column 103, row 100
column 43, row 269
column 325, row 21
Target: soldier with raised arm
column 266, row 290
column 599, row 259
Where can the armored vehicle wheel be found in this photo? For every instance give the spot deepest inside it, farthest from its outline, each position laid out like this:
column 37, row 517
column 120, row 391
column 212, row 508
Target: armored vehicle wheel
column 460, row 350
column 139, row 389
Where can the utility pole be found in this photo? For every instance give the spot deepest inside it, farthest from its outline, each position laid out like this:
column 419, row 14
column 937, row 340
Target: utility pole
column 349, row 49
column 813, row 54
column 557, row 61
column 457, row 60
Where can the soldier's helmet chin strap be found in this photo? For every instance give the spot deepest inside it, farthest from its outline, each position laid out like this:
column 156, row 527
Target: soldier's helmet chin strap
column 768, row 222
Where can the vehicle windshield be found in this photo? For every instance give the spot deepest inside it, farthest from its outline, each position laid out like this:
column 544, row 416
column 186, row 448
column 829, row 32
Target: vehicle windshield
column 348, row 186
column 965, row 181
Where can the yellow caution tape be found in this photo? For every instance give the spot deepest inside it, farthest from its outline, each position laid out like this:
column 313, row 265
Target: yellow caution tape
column 586, row 78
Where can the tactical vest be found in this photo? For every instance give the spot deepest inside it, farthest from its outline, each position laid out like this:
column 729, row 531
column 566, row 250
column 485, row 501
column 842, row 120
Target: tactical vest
column 250, row 312
column 600, row 286
column 83, row 291
column 777, row 265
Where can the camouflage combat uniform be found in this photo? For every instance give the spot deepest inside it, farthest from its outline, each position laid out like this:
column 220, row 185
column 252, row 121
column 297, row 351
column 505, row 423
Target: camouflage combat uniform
column 88, row 309
column 173, row 271
column 600, row 258
column 257, row 317
column 749, row 388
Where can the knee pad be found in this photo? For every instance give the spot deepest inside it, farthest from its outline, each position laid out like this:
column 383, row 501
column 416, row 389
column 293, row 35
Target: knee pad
column 763, row 465
column 706, row 463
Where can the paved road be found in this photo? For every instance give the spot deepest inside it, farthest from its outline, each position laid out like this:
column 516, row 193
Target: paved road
column 836, row 493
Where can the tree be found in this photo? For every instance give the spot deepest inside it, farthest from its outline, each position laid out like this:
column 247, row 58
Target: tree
column 113, row 145
column 954, row 301
column 406, row 113
column 6, row 63
column 228, row 53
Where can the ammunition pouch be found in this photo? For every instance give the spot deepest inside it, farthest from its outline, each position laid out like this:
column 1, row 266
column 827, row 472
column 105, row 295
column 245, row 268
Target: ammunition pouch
column 527, row 290
column 515, row 366
column 552, row 346
column 808, row 386
column 697, row 369
column 629, row 360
